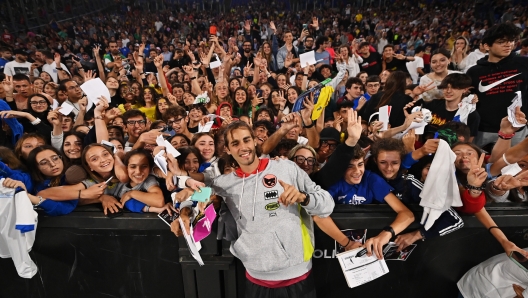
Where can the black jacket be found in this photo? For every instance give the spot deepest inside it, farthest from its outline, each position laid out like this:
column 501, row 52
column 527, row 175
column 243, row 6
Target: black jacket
column 493, row 102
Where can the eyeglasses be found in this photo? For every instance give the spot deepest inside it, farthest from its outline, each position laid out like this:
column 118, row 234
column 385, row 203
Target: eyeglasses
column 299, row 159
column 330, row 145
column 171, row 122
column 134, row 122
column 502, row 42
column 47, row 163
column 37, row 103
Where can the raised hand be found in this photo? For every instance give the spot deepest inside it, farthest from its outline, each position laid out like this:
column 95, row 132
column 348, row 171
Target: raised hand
column 55, row 118
column 272, row 27
column 409, row 139
column 423, row 88
column 315, row 22
column 188, row 69
column 354, row 127
column 158, row 61
column 8, row 85
column 89, row 75
column 57, row 59
column 477, row 174
column 290, row 195
column 306, row 113
column 507, row 182
column 247, row 25
column 399, row 56
column 247, row 69
column 83, row 102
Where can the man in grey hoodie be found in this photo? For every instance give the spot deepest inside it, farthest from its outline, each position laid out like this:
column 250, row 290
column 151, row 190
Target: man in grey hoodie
column 271, row 203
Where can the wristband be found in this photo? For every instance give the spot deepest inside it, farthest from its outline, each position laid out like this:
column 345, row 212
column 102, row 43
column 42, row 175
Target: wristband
column 391, row 230
column 346, row 244
column 79, row 195
column 58, row 68
column 141, row 56
column 504, row 158
column 37, row 121
column 479, row 188
column 492, row 227
column 40, row 201
column 306, row 200
column 505, row 136
column 193, row 78
column 305, row 74
column 147, row 208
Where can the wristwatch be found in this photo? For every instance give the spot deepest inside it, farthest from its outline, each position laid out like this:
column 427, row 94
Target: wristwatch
column 391, row 230
column 306, row 200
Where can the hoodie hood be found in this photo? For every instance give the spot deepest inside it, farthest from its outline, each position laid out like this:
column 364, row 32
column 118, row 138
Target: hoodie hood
column 484, row 61
column 223, row 104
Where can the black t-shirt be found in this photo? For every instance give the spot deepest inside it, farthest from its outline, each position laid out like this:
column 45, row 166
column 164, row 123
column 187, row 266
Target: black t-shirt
column 397, row 64
column 372, row 64
column 441, row 116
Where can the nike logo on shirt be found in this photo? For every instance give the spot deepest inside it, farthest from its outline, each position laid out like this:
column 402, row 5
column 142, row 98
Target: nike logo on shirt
column 484, row 89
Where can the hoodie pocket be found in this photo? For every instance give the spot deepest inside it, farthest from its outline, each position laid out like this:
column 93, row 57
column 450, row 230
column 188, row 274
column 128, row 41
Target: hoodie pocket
column 261, row 252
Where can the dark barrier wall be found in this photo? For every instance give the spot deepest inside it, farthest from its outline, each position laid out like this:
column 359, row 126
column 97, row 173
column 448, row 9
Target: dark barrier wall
column 86, row 254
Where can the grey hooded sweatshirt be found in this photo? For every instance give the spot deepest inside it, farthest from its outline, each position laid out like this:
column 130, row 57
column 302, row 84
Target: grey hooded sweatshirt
column 274, row 242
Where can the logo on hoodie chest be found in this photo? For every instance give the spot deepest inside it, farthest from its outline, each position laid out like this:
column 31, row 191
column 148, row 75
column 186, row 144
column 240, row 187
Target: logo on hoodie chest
column 269, row 180
column 271, row 195
column 272, row 206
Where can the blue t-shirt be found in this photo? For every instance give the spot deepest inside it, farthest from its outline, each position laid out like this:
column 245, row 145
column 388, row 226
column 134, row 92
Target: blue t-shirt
column 324, row 55
column 372, row 188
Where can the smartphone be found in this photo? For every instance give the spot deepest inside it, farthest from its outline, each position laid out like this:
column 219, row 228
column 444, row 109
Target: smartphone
column 212, row 30
column 75, row 58
column 519, row 259
column 115, row 214
column 305, row 26
column 168, row 219
column 201, row 195
column 259, row 92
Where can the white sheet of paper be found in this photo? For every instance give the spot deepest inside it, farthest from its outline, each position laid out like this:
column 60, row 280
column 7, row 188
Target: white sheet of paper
column 161, row 161
column 307, row 58
column 215, row 64
column 206, row 127
column 55, row 104
column 107, row 143
column 94, row 89
column 516, row 102
column 214, row 116
column 66, row 109
column 168, row 147
column 361, row 270
column 384, row 113
column 418, row 127
column 193, row 248
column 511, row 170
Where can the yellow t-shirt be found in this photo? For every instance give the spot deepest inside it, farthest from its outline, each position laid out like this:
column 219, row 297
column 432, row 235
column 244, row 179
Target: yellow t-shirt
column 150, row 112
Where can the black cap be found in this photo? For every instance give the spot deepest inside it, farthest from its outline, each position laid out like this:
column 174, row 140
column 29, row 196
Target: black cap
column 20, row 52
column 330, row 133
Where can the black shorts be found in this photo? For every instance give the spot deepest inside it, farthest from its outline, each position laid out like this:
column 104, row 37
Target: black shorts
column 302, row 289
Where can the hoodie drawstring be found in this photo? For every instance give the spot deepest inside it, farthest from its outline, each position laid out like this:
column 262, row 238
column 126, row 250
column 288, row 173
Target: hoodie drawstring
column 255, row 194
column 240, row 199
column 242, row 194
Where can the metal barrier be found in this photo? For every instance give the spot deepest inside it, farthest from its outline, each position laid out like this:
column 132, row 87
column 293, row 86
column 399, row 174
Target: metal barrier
column 85, row 254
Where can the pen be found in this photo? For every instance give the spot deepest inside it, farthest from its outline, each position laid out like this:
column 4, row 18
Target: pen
column 109, row 179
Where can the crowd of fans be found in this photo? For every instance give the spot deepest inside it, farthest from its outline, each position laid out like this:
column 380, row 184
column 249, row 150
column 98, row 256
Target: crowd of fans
column 171, row 72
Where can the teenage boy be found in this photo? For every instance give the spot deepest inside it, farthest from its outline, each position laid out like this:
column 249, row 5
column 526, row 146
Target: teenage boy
column 496, row 81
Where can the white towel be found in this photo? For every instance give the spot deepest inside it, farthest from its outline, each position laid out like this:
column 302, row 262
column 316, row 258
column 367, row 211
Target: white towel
column 440, row 190
column 465, row 107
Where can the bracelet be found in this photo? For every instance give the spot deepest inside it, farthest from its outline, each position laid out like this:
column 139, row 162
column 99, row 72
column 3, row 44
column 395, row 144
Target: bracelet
column 147, row 208
column 346, row 244
column 40, row 201
column 504, row 158
column 141, row 56
column 58, row 68
column 79, row 195
column 505, row 136
column 471, row 187
column 422, row 234
column 305, row 74
column 193, row 78
column 99, row 117
column 390, row 230
column 37, row 121
column 495, row 187
column 492, row 227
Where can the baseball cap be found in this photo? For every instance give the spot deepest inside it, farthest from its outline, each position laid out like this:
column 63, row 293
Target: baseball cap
column 20, row 52
column 330, row 133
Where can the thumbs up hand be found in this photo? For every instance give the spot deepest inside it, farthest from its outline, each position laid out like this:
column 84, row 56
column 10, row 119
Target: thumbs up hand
column 290, row 195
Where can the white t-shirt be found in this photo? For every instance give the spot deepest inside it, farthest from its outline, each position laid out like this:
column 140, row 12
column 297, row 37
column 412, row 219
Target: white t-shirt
column 158, row 25
column 50, row 68
column 412, row 67
column 125, row 41
column 12, row 68
column 493, row 278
